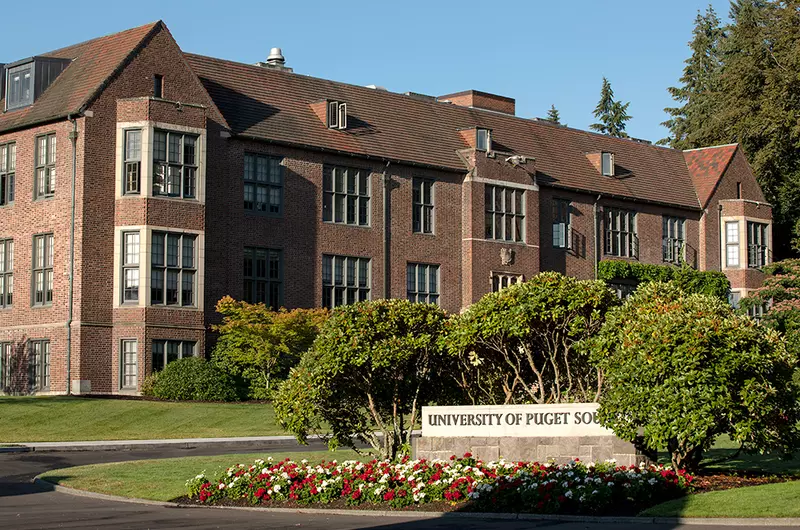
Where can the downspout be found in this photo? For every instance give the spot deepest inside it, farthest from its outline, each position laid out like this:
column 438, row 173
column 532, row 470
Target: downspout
column 597, row 236
column 73, row 136
column 386, row 237
column 721, row 235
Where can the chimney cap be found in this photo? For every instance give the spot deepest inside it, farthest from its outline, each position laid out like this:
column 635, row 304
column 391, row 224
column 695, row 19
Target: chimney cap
column 276, row 57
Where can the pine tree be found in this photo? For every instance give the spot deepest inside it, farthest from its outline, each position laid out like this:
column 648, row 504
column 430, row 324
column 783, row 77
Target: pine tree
column 612, row 115
column 553, row 115
column 699, row 85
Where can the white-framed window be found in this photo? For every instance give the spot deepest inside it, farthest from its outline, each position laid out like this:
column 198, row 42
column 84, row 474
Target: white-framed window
column 345, row 280
column 129, row 363
column 673, row 239
column 422, row 198
column 6, row 272
column 505, row 213
column 734, row 297
column 483, row 139
column 166, row 351
column 621, row 238
column 175, row 164
column 562, row 224
column 337, row 115
column 130, row 267
column 346, row 196
column 45, row 175
column 6, row 369
column 19, row 86
column 757, row 245
column 732, row 243
column 42, row 278
column 607, row 164
column 500, row 280
column 173, row 269
column 132, row 162
column 422, row 283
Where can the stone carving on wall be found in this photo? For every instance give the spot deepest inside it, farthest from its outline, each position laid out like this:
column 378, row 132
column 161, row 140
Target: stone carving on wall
column 506, row 256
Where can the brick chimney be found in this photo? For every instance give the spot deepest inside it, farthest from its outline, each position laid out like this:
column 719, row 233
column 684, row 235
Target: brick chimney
column 481, row 100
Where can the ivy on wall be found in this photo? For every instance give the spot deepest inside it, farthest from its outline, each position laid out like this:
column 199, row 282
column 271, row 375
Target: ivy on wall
column 713, row 283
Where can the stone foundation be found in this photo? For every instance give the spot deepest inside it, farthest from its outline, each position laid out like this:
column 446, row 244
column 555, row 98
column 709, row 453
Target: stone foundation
column 538, row 449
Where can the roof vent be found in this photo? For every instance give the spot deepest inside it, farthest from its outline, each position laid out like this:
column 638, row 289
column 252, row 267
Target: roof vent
column 275, row 60
column 377, row 87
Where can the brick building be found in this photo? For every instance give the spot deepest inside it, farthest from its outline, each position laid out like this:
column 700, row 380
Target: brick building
column 140, row 184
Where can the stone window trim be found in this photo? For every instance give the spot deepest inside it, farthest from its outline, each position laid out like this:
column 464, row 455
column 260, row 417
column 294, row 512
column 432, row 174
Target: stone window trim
column 423, row 199
column 504, row 213
column 8, row 171
column 423, row 283
column 757, row 244
column 270, row 187
column 146, row 175
column 128, row 364
column 145, row 267
column 42, row 270
column 44, row 158
column 132, row 161
column 131, row 266
column 345, row 280
column 39, row 364
column 6, row 273
column 347, row 196
column 736, row 255
column 6, row 365
column 501, row 279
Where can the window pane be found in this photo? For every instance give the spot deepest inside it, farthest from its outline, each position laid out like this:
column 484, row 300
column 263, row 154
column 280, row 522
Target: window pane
column 189, row 144
column 160, row 146
column 174, row 148
column 188, row 252
column 172, row 250
column 157, row 287
column 172, row 287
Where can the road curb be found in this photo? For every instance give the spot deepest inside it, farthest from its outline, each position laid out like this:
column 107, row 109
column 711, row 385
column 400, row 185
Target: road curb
column 432, row 515
column 255, row 443
column 6, row 450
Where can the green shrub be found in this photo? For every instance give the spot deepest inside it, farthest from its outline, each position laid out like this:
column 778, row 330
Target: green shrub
column 372, row 367
column 516, row 345
column 191, row 379
column 712, row 283
column 680, row 370
column 258, row 345
column 781, row 292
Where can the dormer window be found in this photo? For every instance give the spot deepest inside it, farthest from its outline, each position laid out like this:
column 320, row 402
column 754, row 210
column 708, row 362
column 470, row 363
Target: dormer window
column 337, row 115
column 483, row 139
column 607, row 164
column 19, row 86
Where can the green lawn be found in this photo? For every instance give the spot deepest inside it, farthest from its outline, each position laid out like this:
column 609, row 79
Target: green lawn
column 769, row 500
column 165, row 479
column 57, row 419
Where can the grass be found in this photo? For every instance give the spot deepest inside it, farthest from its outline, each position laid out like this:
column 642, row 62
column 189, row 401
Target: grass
column 63, row 419
column 769, row 500
column 165, row 479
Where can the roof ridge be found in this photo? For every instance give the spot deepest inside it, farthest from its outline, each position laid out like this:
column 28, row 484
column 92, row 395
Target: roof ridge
column 87, row 41
column 441, row 104
column 708, row 147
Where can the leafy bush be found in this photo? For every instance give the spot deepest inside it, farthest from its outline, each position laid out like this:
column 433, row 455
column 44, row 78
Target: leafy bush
column 573, row 488
column 712, row 283
column 259, row 345
column 191, row 379
column 516, row 345
column 682, row 369
column 781, row 292
column 373, row 365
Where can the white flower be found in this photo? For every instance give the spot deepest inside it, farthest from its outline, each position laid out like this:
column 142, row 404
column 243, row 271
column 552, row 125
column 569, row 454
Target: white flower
column 568, row 494
column 221, row 486
column 277, row 488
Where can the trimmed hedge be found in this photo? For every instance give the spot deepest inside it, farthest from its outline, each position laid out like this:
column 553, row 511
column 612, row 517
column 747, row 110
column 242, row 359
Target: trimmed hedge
column 713, row 283
column 191, row 379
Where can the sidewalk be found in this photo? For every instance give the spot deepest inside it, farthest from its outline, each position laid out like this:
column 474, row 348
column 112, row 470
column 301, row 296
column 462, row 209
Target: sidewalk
column 244, row 442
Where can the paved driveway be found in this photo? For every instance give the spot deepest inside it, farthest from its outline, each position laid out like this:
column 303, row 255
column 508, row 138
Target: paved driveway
column 27, row 506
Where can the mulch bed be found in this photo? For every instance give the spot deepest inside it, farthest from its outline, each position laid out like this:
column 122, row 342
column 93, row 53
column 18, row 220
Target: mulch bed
column 719, row 481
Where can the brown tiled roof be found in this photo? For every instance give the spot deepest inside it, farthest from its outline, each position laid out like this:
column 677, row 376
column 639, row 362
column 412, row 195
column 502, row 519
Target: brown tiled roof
column 706, row 167
column 275, row 105
column 93, row 63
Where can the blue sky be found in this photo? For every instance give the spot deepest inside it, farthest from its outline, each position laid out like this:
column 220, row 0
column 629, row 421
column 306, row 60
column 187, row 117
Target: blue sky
column 539, row 53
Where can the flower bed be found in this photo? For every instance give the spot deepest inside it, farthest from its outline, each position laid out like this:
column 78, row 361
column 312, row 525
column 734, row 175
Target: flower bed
column 464, row 483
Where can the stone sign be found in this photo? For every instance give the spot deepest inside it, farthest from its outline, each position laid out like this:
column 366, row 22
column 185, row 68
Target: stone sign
column 567, row 419
column 542, row 433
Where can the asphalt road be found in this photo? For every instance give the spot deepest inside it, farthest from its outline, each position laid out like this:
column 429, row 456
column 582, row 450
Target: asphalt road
column 24, row 505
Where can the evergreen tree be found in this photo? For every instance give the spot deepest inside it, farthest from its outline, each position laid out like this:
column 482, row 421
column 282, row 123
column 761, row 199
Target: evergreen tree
column 612, row 115
column 553, row 115
column 699, row 85
column 742, row 84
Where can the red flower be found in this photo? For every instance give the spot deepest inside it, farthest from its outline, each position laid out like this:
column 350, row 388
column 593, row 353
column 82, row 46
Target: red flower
column 260, row 492
column 389, row 495
column 356, row 495
column 467, row 455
